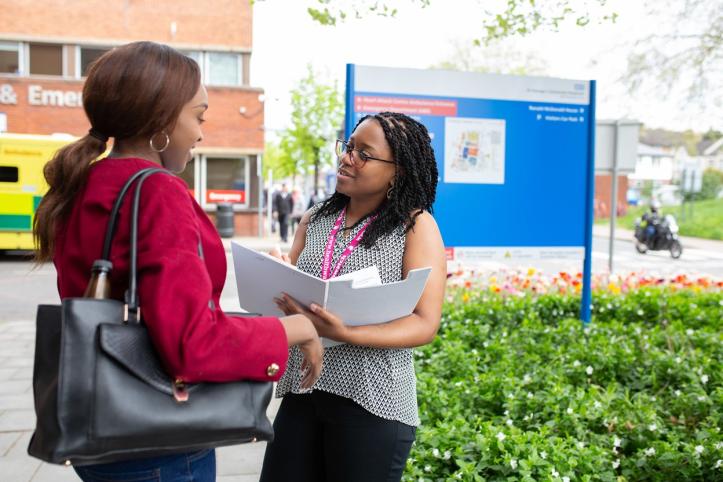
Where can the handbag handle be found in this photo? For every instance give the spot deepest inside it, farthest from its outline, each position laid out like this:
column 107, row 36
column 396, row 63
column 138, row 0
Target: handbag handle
column 131, row 295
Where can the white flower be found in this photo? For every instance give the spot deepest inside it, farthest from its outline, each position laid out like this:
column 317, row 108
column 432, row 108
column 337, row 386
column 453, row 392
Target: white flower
column 435, row 452
column 652, row 399
column 677, row 393
column 652, row 427
column 510, row 395
column 617, row 442
column 458, row 475
column 718, row 464
column 641, row 312
column 555, row 473
column 704, row 379
column 529, row 395
column 427, row 468
column 597, row 404
column 543, row 454
column 678, row 359
column 513, row 463
column 569, row 411
column 576, row 363
column 689, row 332
column 581, row 445
column 650, row 451
column 447, row 455
column 588, row 370
column 509, row 422
column 699, row 449
column 701, row 398
column 616, row 464
column 500, row 436
column 526, row 379
column 507, row 412
column 566, row 479
column 719, row 445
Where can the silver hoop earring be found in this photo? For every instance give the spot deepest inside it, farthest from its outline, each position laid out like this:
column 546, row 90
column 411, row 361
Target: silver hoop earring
column 165, row 146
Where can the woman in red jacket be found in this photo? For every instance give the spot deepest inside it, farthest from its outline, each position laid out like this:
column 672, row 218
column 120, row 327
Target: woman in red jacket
column 149, row 98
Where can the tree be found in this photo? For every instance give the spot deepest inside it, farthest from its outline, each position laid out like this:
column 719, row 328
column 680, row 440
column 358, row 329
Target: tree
column 317, row 114
column 499, row 58
column 516, row 17
column 685, row 52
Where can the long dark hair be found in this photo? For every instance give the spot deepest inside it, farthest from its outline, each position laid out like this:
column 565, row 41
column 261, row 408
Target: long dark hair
column 415, row 180
column 136, row 90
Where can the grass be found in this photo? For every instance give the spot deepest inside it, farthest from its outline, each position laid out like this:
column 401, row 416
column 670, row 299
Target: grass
column 706, row 222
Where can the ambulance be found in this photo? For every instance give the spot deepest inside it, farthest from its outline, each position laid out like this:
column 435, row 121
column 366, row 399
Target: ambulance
column 22, row 185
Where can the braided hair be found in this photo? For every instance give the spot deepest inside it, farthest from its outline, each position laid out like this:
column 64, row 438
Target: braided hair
column 415, row 179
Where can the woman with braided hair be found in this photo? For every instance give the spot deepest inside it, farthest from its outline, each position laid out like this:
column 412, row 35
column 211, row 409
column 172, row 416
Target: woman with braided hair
column 358, row 421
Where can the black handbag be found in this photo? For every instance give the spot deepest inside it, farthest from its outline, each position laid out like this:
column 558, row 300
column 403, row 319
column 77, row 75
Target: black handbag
column 102, row 395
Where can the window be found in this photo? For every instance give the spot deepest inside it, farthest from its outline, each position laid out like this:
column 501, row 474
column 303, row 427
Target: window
column 8, row 174
column 9, row 58
column 88, row 55
column 46, row 59
column 197, row 56
column 223, row 68
column 189, row 176
column 226, row 180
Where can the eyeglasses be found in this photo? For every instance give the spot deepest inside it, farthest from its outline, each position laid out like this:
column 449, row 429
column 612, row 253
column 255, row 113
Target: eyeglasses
column 359, row 159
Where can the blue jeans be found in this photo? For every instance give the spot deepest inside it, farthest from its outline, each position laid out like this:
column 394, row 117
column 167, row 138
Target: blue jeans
column 187, row 467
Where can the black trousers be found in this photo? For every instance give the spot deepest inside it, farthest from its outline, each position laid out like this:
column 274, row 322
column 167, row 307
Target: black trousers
column 284, row 226
column 321, row 437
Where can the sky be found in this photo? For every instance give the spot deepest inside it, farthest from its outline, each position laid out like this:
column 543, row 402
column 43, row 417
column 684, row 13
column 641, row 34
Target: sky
column 286, row 40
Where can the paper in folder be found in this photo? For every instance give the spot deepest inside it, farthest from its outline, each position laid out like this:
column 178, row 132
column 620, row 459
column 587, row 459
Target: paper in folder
column 358, row 298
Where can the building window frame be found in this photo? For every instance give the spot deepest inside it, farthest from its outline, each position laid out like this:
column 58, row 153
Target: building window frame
column 203, row 177
column 79, row 58
column 63, row 59
column 21, row 58
column 207, row 71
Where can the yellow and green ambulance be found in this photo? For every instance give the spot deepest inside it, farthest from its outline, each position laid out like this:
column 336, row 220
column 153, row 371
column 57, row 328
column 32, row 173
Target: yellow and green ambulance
column 22, row 185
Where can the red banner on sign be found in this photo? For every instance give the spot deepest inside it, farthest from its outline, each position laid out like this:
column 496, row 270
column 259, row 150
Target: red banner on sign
column 450, row 253
column 225, row 196
column 410, row 106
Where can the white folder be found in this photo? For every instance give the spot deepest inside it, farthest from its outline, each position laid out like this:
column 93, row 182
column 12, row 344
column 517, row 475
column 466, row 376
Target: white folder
column 355, row 298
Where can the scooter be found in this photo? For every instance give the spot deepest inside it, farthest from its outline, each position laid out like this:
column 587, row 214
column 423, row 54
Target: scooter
column 664, row 239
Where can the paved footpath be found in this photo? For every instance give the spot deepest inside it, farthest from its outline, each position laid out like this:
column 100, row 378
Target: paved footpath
column 17, row 419
column 241, row 463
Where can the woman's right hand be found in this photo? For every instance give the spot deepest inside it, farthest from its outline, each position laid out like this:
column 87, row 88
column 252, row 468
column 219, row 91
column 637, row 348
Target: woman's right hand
column 300, row 331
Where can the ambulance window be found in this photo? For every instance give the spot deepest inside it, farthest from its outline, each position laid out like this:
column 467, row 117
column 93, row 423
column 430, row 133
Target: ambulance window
column 46, row 59
column 8, row 174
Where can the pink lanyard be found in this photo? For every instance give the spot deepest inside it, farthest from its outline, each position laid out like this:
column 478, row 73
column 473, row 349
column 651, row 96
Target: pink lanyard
column 329, row 250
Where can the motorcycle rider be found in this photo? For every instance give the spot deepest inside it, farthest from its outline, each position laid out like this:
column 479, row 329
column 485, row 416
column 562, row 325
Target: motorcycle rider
column 652, row 221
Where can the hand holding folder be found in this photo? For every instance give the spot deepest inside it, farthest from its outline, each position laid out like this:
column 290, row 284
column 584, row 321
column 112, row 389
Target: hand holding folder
column 358, row 298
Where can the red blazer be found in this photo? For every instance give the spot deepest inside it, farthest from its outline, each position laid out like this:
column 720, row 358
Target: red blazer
column 178, row 291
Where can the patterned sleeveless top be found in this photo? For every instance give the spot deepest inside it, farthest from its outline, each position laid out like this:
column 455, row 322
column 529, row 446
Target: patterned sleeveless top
column 381, row 380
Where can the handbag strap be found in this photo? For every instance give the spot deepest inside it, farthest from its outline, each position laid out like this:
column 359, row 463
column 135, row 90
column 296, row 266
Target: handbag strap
column 131, row 295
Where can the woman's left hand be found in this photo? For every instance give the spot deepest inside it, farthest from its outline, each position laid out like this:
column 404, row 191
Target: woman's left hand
column 327, row 324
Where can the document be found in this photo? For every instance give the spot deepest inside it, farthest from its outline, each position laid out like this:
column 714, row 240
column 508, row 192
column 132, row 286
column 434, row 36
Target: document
column 358, row 298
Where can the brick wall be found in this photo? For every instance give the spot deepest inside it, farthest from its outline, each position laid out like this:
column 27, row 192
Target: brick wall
column 217, row 22
column 225, row 126
column 603, row 195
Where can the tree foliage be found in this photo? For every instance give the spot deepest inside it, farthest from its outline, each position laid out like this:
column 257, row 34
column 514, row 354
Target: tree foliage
column 317, row 114
column 515, row 17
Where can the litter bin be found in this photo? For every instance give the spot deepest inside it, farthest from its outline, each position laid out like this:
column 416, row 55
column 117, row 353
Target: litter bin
column 224, row 219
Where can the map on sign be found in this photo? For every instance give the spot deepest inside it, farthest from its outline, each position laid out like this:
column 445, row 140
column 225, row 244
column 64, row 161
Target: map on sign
column 475, row 150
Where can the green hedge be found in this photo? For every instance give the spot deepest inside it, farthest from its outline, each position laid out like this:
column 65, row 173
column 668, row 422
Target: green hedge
column 513, row 388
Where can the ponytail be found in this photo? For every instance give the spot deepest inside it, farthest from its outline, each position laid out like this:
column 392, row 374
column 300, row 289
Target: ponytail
column 66, row 174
